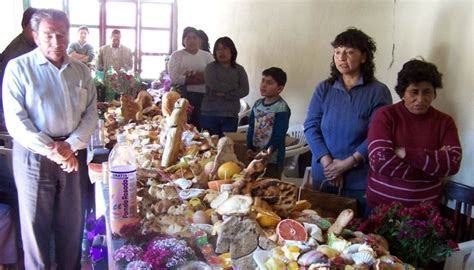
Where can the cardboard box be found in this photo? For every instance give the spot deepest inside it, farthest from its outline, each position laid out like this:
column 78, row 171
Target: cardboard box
column 237, row 137
column 241, row 137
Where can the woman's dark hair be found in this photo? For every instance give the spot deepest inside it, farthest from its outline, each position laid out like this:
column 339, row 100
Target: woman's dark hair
column 416, row 71
column 205, row 41
column 27, row 16
column 227, row 43
column 186, row 31
column 355, row 38
column 277, row 74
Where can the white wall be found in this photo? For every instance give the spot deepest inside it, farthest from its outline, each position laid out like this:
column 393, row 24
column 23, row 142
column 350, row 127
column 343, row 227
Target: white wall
column 10, row 20
column 295, row 35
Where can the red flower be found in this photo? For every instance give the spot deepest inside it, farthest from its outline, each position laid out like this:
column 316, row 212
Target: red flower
column 417, row 234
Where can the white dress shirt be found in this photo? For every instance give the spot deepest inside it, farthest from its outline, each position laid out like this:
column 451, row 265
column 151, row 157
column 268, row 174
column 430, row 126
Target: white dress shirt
column 42, row 102
column 182, row 61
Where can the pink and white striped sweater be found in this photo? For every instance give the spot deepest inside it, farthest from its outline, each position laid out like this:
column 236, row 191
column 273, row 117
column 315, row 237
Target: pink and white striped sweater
column 432, row 149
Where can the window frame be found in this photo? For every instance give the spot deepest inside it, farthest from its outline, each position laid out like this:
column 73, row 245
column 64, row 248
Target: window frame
column 137, row 51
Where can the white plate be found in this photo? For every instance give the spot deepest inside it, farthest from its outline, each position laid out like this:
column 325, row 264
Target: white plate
column 260, row 256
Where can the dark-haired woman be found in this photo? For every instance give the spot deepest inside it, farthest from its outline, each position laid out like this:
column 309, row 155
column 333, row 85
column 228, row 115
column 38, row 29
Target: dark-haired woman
column 204, row 41
column 226, row 84
column 411, row 144
column 186, row 69
column 339, row 116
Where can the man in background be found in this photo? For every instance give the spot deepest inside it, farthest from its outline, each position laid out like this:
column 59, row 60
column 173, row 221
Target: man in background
column 114, row 55
column 22, row 44
column 81, row 50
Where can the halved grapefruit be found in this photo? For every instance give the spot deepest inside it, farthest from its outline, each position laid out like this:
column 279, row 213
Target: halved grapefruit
column 290, row 229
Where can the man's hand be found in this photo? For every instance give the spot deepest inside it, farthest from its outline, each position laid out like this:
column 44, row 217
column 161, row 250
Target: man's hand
column 62, row 154
column 60, row 151
column 70, row 165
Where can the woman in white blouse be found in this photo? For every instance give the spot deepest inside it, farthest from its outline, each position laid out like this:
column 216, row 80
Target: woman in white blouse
column 186, row 69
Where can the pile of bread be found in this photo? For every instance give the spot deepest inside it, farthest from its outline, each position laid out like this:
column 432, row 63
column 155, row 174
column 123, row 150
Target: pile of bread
column 174, row 198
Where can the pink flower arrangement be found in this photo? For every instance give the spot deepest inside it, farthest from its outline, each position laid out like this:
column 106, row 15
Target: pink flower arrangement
column 122, row 82
column 417, row 235
column 167, row 252
column 128, row 253
column 151, row 251
column 138, row 265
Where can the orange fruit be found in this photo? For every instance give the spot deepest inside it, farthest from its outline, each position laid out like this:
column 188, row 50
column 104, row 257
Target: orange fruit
column 302, row 205
column 216, row 184
column 266, row 218
column 289, row 229
column 227, row 170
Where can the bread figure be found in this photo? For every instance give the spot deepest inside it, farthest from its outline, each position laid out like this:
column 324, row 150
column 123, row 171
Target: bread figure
column 281, row 196
column 168, row 101
column 341, row 222
column 200, row 178
column 174, row 131
column 144, row 99
column 129, row 108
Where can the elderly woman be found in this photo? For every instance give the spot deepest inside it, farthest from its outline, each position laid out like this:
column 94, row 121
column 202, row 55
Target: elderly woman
column 186, row 69
column 339, row 115
column 411, row 144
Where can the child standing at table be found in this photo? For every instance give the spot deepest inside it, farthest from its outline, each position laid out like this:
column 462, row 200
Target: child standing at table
column 269, row 120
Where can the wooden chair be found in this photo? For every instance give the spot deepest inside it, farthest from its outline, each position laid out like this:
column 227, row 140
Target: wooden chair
column 463, row 197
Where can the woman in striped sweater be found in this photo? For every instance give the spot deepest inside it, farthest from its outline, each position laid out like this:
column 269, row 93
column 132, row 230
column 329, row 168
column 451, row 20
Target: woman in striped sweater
column 411, row 144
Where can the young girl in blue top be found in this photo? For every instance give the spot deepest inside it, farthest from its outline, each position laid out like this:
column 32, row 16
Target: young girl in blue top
column 268, row 121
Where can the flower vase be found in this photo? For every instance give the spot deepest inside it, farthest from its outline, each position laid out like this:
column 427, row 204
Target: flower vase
column 109, row 95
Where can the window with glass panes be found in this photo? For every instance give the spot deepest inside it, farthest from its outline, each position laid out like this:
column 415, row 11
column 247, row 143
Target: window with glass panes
column 148, row 27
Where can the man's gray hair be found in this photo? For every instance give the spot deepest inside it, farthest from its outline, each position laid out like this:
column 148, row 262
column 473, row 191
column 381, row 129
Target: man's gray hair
column 48, row 15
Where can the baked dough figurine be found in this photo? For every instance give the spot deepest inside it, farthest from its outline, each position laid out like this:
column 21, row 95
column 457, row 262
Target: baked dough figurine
column 129, row 108
column 341, row 222
column 281, row 196
column 168, row 101
column 175, row 125
column 225, row 153
column 238, row 233
column 200, row 178
column 144, row 99
column 254, row 170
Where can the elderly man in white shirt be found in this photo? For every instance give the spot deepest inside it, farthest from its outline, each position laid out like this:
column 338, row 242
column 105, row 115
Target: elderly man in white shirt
column 50, row 111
